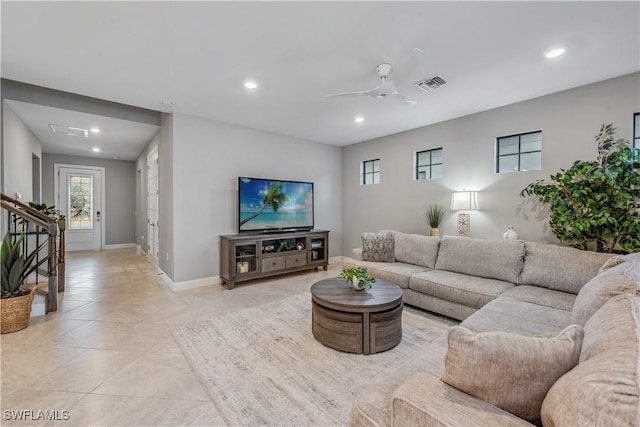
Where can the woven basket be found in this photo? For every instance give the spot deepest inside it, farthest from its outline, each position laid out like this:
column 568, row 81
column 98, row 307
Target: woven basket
column 15, row 312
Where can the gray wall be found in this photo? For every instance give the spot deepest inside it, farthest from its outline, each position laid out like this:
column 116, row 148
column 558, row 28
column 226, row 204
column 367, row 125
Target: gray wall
column 19, row 146
column 166, row 179
column 208, row 157
column 120, row 195
column 569, row 120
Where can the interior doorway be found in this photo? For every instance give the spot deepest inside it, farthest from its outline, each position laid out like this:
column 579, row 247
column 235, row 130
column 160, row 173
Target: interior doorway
column 80, row 197
column 153, row 194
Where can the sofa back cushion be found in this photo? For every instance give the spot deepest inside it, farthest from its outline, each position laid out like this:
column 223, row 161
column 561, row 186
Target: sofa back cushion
column 492, row 259
column 559, row 268
column 416, row 249
column 603, row 388
column 511, row 371
column 619, row 275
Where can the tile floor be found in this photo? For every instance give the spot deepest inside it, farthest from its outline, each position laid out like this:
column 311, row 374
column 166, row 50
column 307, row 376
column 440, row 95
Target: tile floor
column 107, row 357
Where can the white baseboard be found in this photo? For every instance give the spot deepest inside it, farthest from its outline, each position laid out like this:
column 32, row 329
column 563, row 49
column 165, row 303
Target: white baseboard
column 189, row 284
column 119, row 246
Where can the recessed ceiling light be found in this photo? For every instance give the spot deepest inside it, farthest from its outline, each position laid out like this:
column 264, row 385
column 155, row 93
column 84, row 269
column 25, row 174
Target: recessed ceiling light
column 95, row 130
column 167, row 103
column 554, row 53
column 96, row 149
column 359, row 119
column 250, row 85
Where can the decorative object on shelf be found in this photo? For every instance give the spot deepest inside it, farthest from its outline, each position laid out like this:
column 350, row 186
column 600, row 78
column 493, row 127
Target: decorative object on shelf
column 358, row 278
column 242, row 267
column 315, row 244
column 314, row 254
column 433, row 215
column 300, row 246
column 595, row 204
column 268, row 248
column 284, row 245
column 16, row 299
column 510, row 234
column 464, row 201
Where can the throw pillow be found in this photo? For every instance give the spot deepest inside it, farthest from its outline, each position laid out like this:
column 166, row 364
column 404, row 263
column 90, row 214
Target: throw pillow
column 510, row 371
column 377, row 247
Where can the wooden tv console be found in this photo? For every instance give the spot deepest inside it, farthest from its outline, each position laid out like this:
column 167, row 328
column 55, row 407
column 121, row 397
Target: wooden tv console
column 253, row 256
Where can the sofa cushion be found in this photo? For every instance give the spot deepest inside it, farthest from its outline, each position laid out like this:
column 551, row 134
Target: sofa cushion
column 377, row 247
column 416, row 249
column 603, row 388
column 559, row 268
column 492, row 259
column 511, row 371
column 424, row 400
column 542, row 296
column 520, row 317
column 456, row 287
column 397, row 272
column 620, row 275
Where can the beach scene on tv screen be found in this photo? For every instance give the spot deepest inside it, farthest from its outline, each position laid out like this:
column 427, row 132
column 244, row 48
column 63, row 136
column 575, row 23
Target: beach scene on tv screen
column 275, row 204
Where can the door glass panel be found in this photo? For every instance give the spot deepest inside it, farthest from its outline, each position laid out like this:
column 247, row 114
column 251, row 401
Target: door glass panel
column 80, row 202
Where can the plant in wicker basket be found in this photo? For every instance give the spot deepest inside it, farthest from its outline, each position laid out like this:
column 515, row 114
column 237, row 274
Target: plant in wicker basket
column 15, row 301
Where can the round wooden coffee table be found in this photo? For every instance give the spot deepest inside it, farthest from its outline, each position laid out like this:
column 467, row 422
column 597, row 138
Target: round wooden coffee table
column 363, row 322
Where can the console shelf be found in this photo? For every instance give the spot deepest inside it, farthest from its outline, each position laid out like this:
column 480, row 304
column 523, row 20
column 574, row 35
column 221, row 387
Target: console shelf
column 253, row 256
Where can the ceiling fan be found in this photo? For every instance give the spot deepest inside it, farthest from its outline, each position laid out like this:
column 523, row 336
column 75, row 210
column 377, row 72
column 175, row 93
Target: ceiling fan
column 391, row 78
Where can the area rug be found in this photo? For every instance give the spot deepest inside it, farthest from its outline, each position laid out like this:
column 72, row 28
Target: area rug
column 262, row 366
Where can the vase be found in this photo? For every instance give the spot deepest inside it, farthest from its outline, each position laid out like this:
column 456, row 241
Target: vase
column 510, row 234
column 434, row 232
column 15, row 312
column 357, row 284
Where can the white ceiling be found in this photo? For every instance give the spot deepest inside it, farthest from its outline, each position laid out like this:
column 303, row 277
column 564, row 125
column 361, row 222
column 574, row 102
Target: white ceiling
column 121, row 139
column 197, row 55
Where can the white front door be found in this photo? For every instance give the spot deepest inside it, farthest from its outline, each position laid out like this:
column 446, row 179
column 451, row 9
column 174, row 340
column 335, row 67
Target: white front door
column 80, row 199
column 152, row 205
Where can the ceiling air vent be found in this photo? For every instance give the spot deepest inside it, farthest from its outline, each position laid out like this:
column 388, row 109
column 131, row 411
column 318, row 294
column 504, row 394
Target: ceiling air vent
column 431, row 83
column 68, row 130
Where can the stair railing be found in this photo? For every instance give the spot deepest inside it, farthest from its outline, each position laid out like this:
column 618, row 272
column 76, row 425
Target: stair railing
column 23, row 219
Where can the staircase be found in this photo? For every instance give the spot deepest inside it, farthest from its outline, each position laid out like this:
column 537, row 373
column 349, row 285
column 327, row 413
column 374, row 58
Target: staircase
column 46, row 233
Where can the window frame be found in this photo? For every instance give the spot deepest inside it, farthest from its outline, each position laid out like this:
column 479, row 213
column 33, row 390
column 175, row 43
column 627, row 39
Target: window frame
column 636, row 135
column 417, row 165
column 364, row 173
column 519, row 153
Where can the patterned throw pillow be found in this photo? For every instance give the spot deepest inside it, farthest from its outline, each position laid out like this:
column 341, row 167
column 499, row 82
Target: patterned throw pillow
column 511, row 371
column 377, row 247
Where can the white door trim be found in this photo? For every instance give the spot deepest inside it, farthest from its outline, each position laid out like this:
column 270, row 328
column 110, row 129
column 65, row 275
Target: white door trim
column 56, row 193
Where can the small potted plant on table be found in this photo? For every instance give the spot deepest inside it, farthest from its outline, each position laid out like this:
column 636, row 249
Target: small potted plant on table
column 434, row 215
column 358, row 277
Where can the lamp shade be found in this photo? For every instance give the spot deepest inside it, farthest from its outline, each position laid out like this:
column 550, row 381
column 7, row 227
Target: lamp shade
column 464, row 201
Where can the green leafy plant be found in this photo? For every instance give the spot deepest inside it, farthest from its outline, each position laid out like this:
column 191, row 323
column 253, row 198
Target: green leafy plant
column 15, row 267
column 434, row 214
column 361, row 273
column 42, row 207
column 284, row 245
column 596, row 204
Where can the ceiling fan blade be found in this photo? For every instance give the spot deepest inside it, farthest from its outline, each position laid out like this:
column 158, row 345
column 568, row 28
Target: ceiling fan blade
column 406, row 99
column 402, row 73
column 348, row 94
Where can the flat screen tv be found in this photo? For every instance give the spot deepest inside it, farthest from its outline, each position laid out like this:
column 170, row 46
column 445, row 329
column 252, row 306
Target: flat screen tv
column 269, row 205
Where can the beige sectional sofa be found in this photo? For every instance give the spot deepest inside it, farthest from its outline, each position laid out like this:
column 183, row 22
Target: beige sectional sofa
column 519, row 288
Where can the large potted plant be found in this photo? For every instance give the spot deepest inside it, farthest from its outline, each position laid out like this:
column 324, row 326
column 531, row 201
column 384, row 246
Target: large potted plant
column 16, row 299
column 595, row 205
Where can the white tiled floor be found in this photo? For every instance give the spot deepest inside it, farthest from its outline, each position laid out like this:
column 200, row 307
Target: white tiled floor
column 107, row 355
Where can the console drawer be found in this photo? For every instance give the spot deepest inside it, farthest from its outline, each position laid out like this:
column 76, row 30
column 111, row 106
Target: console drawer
column 272, row 264
column 296, row 260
